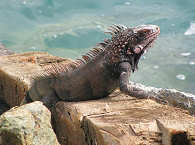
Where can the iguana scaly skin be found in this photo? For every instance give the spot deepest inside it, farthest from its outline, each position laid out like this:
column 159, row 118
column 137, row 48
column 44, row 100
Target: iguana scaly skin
column 100, row 71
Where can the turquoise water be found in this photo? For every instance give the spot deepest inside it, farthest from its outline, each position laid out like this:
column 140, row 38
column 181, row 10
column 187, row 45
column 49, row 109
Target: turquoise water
column 71, row 28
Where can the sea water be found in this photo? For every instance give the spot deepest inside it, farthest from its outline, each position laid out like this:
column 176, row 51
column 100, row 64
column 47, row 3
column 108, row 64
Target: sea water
column 70, row 28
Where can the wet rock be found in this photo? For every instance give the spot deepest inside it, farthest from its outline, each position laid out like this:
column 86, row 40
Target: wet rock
column 27, row 125
column 122, row 120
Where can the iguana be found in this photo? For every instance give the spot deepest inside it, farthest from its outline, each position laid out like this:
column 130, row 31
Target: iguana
column 99, row 72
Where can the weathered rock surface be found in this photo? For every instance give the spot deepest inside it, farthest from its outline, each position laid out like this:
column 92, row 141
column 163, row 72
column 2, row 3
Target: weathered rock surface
column 115, row 120
column 27, row 125
column 171, row 97
column 16, row 72
column 122, row 120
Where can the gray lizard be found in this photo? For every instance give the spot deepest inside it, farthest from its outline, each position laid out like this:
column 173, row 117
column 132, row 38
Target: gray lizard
column 100, row 71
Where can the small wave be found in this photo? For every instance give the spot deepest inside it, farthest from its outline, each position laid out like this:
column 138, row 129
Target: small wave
column 156, row 67
column 127, row 3
column 181, row 77
column 185, row 54
column 190, row 30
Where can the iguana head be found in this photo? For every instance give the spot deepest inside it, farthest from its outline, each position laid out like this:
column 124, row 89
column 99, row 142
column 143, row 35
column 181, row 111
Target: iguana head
column 144, row 36
column 128, row 44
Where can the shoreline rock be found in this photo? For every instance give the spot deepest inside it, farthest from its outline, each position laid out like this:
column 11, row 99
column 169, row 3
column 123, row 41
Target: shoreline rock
column 27, row 125
column 3, row 107
column 171, row 97
column 16, row 72
column 118, row 119
column 122, row 120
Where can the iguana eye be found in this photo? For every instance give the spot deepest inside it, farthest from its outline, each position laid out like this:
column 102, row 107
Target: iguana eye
column 145, row 31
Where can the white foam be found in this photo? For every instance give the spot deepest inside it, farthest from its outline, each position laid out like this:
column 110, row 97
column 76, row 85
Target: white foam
column 24, row 2
column 190, row 30
column 185, row 54
column 192, row 63
column 181, row 77
column 156, row 67
column 55, row 35
column 99, row 26
column 127, row 3
column 34, row 48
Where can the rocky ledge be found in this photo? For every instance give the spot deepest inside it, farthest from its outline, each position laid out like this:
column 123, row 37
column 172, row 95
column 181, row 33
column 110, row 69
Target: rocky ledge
column 165, row 117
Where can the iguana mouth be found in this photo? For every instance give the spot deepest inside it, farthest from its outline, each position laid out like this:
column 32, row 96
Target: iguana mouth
column 150, row 39
column 149, row 44
column 154, row 34
column 146, row 35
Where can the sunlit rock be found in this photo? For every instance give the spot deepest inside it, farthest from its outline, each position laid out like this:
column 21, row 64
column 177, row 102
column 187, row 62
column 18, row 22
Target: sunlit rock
column 27, row 125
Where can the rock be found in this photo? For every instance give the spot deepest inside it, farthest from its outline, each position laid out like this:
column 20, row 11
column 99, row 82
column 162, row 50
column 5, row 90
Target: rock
column 171, row 97
column 67, row 122
column 16, row 72
column 3, row 107
column 119, row 119
column 122, row 120
column 27, row 125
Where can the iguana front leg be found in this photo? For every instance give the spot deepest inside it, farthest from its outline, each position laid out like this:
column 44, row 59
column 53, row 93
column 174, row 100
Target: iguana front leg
column 125, row 87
